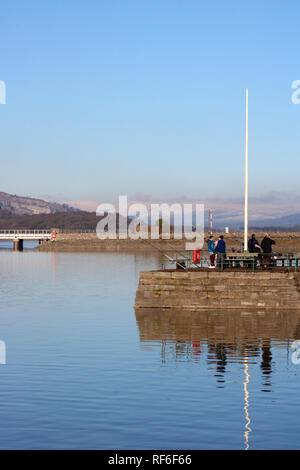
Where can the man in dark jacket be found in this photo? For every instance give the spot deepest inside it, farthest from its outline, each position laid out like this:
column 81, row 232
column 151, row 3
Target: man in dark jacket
column 221, row 252
column 266, row 246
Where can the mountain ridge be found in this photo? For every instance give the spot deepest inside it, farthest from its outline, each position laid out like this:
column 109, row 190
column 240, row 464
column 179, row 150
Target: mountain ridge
column 23, row 205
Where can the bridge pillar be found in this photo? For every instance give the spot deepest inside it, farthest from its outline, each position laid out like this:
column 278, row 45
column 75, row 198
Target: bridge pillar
column 18, row 244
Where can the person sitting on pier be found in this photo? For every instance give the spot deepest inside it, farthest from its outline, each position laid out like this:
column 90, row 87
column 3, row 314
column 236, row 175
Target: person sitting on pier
column 221, row 251
column 266, row 246
column 211, row 251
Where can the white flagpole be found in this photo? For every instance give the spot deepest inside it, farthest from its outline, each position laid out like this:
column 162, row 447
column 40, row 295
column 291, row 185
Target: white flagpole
column 246, row 181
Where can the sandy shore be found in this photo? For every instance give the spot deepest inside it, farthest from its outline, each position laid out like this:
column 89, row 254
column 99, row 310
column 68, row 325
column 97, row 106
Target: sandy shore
column 88, row 242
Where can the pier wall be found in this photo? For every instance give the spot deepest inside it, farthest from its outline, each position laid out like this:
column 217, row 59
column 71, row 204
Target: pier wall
column 218, row 290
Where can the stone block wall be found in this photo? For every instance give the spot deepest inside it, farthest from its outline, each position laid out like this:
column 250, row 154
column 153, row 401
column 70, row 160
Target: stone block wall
column 218, row 290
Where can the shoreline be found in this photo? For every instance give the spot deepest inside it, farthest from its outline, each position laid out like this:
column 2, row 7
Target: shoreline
column 286, row 242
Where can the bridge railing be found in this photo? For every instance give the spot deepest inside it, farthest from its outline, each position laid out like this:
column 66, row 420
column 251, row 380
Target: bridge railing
column 25, row 232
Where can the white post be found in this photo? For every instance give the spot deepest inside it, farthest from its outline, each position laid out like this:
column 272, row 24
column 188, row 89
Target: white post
column 246, row 181
column 210, row 221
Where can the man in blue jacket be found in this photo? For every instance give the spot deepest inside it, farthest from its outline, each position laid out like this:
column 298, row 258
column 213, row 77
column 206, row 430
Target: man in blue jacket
column 221, row 251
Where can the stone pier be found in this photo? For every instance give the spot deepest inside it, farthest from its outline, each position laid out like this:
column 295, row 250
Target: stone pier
column 197, row 290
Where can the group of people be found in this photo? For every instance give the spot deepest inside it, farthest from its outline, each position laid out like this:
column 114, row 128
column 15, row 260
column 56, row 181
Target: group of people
column 218, row 249
column 265, row 247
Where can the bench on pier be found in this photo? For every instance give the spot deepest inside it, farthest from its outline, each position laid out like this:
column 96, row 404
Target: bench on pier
column 250, row 260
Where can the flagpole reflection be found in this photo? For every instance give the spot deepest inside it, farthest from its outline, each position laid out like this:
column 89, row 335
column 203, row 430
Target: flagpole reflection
column 246, row 404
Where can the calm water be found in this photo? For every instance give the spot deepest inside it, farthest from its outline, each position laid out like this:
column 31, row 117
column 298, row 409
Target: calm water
column 27, row 244
column 83, row 371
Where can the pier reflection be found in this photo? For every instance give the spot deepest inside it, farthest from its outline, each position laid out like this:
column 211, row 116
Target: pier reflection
column 220, row 339
column 223, row 337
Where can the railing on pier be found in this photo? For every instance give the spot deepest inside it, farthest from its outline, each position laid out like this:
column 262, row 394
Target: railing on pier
column 248, row 261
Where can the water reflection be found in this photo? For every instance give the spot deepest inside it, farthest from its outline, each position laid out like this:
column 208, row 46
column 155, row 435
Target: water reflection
column 8, row 245
column 246, row 404
column 228, row 334
column 266, row 365
column 221, row 339
column 224, row 337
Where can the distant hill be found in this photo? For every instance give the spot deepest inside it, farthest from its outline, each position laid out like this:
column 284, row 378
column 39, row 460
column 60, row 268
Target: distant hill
column 284, row 221
column 221, row 220
column 32, row 213
column 66, row 221
column 20, row 205
column 17, row 212
column 62, row 220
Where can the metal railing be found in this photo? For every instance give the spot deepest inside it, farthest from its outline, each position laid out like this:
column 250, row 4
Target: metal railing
column 181, row 260
column 25, row 231
column 246, row 261
column 59, row 230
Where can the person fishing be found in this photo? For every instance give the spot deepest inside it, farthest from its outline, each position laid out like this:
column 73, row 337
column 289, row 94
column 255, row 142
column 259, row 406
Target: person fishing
column 253, row 245
column 221, row 251
column 266, row 246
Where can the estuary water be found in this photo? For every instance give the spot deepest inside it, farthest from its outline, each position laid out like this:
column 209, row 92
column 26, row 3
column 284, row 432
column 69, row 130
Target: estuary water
column 84, row 371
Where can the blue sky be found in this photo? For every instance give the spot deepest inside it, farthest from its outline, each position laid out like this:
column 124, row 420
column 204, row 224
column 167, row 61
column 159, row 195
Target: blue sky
column 123, row 96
